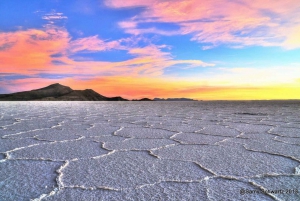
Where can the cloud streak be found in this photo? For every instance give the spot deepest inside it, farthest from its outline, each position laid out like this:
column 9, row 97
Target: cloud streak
column 234, row 23
column 50, row 50
column 92, row 44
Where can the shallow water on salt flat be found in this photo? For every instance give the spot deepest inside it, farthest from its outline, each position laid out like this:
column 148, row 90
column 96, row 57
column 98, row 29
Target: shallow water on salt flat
column 150, row 150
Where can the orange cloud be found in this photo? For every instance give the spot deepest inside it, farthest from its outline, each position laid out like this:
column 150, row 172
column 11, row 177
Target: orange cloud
column 30, row 51
column 264, row 23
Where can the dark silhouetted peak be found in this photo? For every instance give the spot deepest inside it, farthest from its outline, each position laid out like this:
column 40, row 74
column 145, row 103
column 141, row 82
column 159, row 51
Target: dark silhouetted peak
column 58, row 92
column 54, row 86
column 54, row 90
column 173, row 99
column 143, row 99
column 118, row 98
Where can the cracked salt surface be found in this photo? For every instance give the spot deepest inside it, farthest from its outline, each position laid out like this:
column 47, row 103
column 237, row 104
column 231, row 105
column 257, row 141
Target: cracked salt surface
column 148, row 151
column 144, row 133
column 285, row 183
column 286, row 131
column 219, row 130
column 161, row 191
column 138, row 144
column 60, row 151
column 12, row 144
column 231, row 160
column 25, row 179
column 191, row 138
column 130, row 169
column 288, row 140
column 275, row 147
column 223, row 189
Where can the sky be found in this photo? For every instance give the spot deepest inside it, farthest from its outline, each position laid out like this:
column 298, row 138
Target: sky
column 205, row 50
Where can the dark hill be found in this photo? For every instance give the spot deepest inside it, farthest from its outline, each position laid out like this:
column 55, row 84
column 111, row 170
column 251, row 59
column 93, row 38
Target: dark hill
column 54, row 90
column 57, row 92
column 143, row 99
column 118, row 98
column 173, row 99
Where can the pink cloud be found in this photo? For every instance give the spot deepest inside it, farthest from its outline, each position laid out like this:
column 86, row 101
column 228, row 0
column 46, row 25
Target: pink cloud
column 127, row 24
column 30, row 52
column 130, row 3
column 242, row 23
column 92, row 43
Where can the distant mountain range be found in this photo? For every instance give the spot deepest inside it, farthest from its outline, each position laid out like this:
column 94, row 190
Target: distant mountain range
column 58, row 92
column 173, row 99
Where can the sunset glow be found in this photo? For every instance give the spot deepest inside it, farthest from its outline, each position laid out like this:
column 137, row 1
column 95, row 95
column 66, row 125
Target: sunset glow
column 205, row 50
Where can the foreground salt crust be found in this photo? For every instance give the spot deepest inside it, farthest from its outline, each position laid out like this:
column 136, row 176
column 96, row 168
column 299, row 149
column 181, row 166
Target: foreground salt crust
column 149, row 150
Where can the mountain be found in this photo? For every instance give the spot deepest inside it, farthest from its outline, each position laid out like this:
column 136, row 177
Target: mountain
column 58, row 92
column 118, row 98
column 174, row 99
column 143, row 99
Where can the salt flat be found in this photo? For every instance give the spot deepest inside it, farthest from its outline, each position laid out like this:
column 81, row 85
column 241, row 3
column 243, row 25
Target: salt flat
column 150, row 150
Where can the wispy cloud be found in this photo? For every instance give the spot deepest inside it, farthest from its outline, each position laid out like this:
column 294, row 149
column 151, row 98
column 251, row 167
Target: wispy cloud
column 53, row 17
column 131, row 27
column 92, row 44
column 49, row 50
column 234, row 23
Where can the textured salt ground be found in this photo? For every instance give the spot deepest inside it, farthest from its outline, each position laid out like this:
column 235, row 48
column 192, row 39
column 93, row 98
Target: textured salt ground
column 138, row 144
column 144, row 151
column 53, row 134
column 99, row 130
column 258, row 136
column 11, row 144
column 288, row 140
column 125, row 124
column 250, row 128
column 108, row 138
column 5, row 131
column 25, row 180
column 286, row 131
column 145, row 133
column 229, row 189
column 60, row 151
column 275, row 147
column 6, row 122
column 231, row 160
column 129, row 170
column 289, row 184
column 219, row 130
column 192, row 138
column 176, row 127
column 32, row 124
column 57, row 135
column 169, row 191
